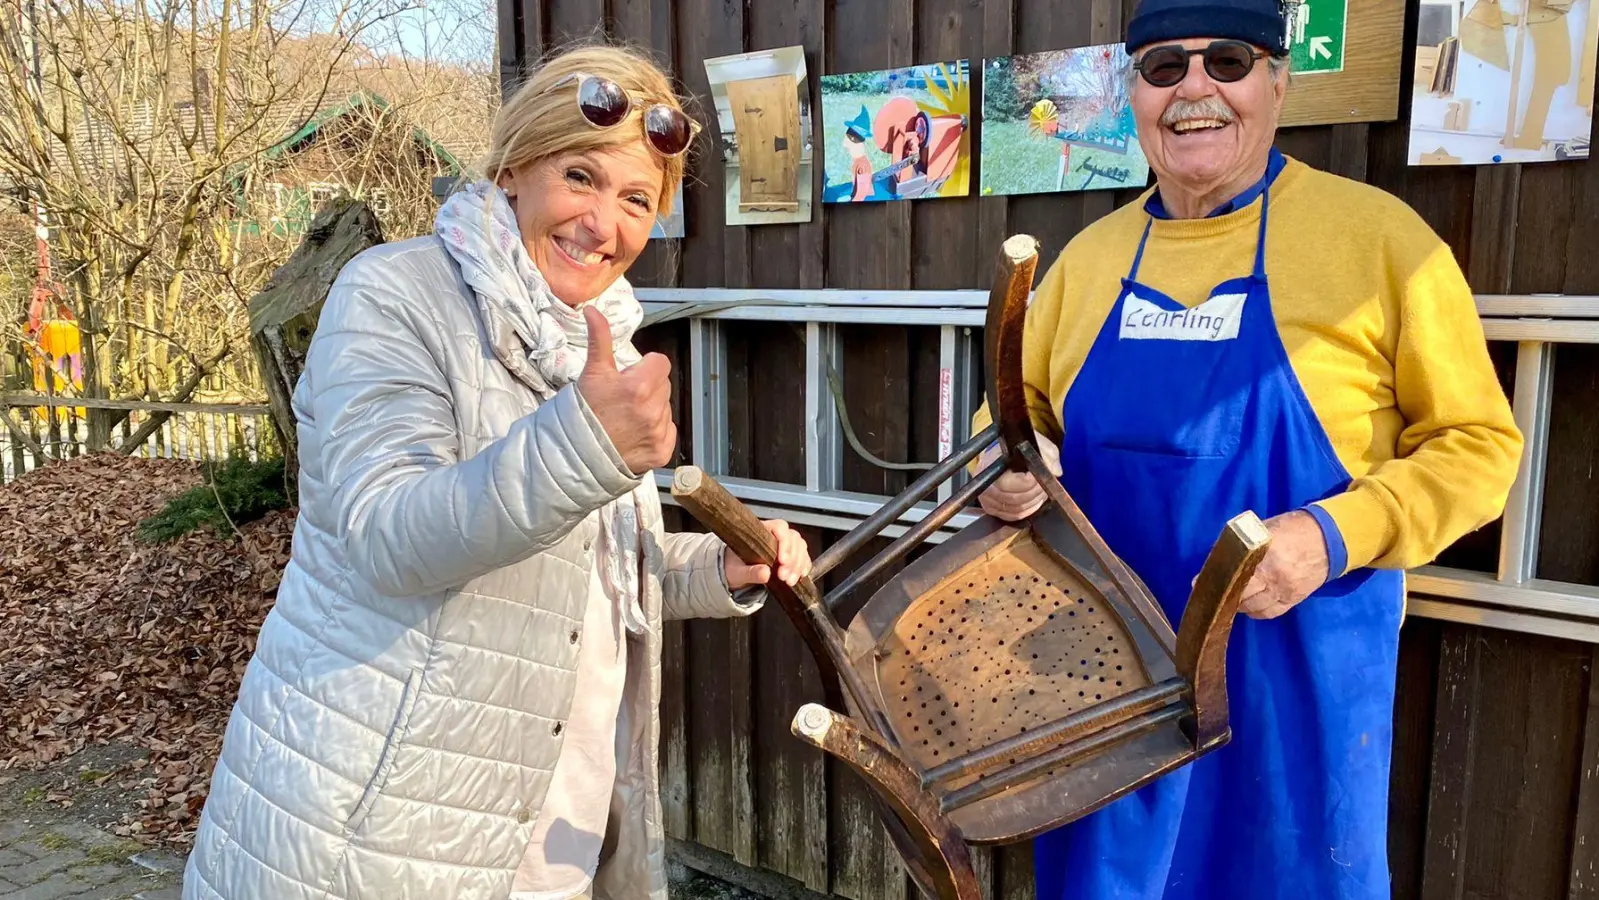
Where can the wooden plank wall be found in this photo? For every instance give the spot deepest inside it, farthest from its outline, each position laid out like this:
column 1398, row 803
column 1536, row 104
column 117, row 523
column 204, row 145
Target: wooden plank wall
column 1494, row 788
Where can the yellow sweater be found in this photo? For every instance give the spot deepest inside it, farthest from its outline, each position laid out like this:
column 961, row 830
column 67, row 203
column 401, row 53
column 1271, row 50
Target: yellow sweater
column 1380, row 328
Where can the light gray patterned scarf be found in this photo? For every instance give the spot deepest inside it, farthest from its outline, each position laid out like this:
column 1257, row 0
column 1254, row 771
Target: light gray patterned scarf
column 479, row 229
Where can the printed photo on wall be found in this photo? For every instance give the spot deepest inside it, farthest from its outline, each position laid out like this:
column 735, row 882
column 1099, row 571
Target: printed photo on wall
column 672, row 225
column 1503, row 81
column 897, row 134
column 763, row 117
column 1059, row 121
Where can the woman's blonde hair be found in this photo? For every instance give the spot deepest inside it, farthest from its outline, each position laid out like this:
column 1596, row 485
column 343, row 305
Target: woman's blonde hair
column 540, row 120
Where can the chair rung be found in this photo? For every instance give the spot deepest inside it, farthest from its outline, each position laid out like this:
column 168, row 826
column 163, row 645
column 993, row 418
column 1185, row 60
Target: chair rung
column 1040, row 740
column 915, row 534
column 1068, row 753
column 890, row 512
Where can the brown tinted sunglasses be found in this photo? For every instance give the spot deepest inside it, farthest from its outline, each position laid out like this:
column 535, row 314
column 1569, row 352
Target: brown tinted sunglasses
column 605, row 104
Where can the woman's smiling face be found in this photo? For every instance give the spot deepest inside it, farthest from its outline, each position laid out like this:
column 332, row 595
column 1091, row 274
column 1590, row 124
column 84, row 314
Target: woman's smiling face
column 586, row 216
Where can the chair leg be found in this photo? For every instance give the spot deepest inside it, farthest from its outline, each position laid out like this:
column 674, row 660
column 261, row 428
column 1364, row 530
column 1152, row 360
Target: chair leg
column 1208, row 622
column 1002, row 345
column 935, row 853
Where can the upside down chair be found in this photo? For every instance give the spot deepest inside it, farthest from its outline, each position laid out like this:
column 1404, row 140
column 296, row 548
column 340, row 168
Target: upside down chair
column 1017, row 676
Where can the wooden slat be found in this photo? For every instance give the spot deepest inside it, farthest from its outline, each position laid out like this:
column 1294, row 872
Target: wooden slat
column 705, row 29
column 1539, row 230
column 742, row 340
column 647, row 26
column 676, row 789
column 1015, row 872
column 1349, row 150
column 865, row 863
column 632, row 21
column 993, row 213
column 1416, row 695
column 946, row 253
column 576, row 20
column 1311, row 146
column 1053, row 218
column 868, row 244
column 791, row 778
column 675, row 795
column 1568, row 545
column 793, row 255
column 774, row 437
column 741, row 729
column 984, row 864
column 1532, row 715
column 1582, row 264
column 1583, row 881
column 534, row 27
column 740, row 828
column 1495, row 203
column 1526, row 718
column 1453, row 760
column 877, row 397
column 509, row 27
column 857, row 843
column 710, row 733
column 20, row 399
column 923, row 401
column 736, row 259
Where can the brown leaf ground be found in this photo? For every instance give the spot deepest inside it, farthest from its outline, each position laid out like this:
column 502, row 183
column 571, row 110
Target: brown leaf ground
column 105, row 639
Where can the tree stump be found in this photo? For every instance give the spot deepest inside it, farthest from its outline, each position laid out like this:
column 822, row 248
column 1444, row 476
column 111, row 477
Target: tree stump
column 283, row 316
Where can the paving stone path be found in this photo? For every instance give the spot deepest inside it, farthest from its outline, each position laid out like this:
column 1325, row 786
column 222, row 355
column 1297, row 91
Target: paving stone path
column 72, row 861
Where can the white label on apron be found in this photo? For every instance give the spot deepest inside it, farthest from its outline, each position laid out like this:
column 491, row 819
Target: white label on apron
column 1214, row 320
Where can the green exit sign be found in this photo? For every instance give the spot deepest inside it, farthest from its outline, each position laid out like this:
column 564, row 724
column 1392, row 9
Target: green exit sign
column 1316, row 30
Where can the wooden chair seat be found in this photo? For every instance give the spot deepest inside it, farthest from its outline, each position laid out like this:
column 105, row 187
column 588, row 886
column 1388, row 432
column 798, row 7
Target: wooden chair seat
column 992, row 653
column 1017, row 676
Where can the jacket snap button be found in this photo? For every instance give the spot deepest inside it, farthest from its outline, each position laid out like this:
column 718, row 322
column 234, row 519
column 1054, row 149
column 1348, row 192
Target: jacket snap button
column 522, row 816
column 587, row 543
column 573, row 637
column 557, row 729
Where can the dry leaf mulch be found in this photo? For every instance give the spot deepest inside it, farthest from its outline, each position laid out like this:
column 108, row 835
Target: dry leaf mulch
column 106, row 638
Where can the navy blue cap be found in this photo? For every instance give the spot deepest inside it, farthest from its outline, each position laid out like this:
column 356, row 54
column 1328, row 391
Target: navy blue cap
column 1259, row 22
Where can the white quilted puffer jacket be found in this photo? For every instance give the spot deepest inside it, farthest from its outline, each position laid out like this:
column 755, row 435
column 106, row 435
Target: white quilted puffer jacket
column 396, row 729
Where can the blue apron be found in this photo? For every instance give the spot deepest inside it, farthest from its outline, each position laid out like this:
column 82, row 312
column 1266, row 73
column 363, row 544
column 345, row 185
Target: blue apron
column 1173, row 426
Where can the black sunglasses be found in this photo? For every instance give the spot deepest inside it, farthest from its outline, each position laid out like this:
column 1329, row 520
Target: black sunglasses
column 605, row 104
column 1225, row 61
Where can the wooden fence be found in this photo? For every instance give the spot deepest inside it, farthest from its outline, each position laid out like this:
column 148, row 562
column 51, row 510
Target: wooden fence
column 1495, row 787
column 44, row 427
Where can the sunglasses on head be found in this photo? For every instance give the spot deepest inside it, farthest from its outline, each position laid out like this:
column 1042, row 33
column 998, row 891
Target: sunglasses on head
column 605, row 104
column 1225, row 61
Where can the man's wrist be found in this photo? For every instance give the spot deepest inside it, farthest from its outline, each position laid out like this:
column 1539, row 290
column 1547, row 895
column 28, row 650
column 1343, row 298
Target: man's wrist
column 1332, row 540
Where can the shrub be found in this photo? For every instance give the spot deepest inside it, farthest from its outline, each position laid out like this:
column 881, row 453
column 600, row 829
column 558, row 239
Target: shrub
column 235, row 492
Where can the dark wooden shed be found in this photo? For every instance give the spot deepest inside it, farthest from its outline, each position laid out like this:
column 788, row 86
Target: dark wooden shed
column 1495, row 786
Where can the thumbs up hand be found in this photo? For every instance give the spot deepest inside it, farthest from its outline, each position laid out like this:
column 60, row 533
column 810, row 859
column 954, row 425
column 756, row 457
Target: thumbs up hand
column 634, row 407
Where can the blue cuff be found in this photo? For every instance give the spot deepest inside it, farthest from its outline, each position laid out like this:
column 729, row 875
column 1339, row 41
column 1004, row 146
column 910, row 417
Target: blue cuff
column 1337, row 553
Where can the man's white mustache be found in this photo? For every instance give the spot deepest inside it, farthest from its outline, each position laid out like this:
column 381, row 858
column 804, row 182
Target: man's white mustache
column 1207, row 108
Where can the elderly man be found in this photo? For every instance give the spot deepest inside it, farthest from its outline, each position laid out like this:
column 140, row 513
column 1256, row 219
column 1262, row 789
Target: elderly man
column 1254, row 334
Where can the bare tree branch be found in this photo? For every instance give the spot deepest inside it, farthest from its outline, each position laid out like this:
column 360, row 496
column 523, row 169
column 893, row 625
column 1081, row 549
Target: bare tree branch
column 182, row 394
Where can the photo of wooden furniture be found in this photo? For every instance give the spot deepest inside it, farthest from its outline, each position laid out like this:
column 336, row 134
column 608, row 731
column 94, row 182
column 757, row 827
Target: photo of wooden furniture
column 1017, row 676
column 766, row 115
column 763, row 133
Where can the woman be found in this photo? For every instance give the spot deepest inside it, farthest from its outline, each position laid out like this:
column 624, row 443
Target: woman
column 455, row 695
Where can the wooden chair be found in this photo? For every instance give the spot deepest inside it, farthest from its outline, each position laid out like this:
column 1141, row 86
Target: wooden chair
column 1016, row 677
